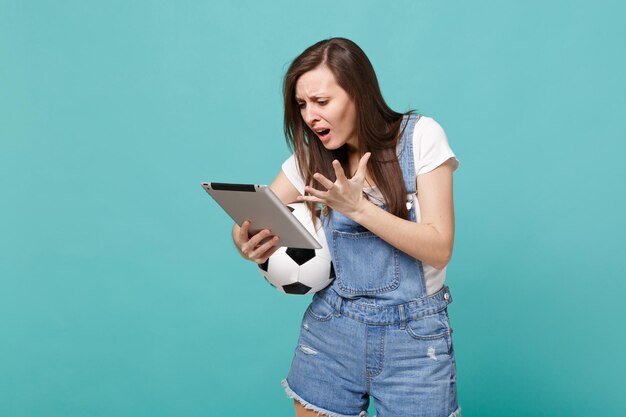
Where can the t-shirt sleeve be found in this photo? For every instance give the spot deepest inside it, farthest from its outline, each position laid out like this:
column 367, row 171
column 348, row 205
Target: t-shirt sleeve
column 430, row 146
column 290, row 168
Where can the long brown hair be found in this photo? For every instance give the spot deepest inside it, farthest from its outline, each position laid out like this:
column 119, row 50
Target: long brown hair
column 377, row 125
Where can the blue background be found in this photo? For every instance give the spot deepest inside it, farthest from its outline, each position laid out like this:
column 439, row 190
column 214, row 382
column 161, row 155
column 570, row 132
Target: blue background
column 121, row 293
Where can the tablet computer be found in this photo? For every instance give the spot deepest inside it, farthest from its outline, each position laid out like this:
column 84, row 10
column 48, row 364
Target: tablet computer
column 264, row 209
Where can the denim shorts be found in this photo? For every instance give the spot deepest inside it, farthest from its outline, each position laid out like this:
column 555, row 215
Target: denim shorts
column 401, row 356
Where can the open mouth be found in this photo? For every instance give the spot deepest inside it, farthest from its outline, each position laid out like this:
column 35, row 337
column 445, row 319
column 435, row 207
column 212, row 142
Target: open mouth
column 322, row 133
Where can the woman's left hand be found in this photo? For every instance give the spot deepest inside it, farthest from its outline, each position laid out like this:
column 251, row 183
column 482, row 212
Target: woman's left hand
column 344, row 195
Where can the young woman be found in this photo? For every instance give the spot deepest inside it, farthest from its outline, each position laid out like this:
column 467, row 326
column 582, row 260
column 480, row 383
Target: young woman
column 384, row 181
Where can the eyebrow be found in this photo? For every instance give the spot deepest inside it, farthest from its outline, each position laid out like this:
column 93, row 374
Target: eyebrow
column 313, row 97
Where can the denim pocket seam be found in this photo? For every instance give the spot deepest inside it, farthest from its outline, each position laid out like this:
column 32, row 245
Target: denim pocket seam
column 437, row 336
column 314, row 316
column 393, row 284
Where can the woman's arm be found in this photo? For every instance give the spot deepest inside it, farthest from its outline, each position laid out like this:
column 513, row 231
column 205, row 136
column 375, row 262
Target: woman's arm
column 430, row 241
column 249, row 246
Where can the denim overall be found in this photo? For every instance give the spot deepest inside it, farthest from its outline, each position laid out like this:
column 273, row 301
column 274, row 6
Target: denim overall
column 374, row 332
column 366, row 266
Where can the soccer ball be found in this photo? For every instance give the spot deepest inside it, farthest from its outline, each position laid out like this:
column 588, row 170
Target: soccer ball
column 300, row 271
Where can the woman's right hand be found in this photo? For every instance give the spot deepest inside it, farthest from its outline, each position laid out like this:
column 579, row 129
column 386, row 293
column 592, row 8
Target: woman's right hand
column 256, row 248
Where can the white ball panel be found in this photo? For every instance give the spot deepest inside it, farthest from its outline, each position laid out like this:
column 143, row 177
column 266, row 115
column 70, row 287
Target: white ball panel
column 282, row 270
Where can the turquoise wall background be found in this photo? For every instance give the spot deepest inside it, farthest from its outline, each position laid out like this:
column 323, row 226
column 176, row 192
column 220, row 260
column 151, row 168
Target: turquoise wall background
column 120, row 291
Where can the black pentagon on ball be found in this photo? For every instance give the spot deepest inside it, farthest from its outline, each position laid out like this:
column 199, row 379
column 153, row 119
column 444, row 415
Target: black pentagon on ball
column 332, row 271
column 301, row 256
column 264, row 265
column 291, row 209
column 296, row 288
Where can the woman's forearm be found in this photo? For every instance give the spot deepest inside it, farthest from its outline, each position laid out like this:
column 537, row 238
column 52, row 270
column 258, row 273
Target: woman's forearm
column 419, row 240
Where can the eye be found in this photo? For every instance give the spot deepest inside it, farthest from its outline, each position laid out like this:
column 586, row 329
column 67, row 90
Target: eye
column 302, row 104
column 322, row 102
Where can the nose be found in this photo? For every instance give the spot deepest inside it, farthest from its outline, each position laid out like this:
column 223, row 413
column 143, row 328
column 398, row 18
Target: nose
column 310, row 115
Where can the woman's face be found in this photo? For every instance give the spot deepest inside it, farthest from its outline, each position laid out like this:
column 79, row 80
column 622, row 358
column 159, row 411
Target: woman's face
column 327, row 109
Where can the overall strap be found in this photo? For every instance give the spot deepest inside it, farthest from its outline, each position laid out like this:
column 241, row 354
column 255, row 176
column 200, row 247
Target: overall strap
column 404, row 150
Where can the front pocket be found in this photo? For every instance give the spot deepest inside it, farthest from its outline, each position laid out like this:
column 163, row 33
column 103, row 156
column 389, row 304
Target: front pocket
column 435, row 326
column 320, row 310
column 364, row 263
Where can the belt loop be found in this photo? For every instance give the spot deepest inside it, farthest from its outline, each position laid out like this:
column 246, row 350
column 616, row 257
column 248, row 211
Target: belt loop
column 402, row 317
column 338, row 306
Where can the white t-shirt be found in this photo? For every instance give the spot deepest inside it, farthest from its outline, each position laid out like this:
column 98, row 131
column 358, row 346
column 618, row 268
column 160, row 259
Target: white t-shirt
column 430, row 149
